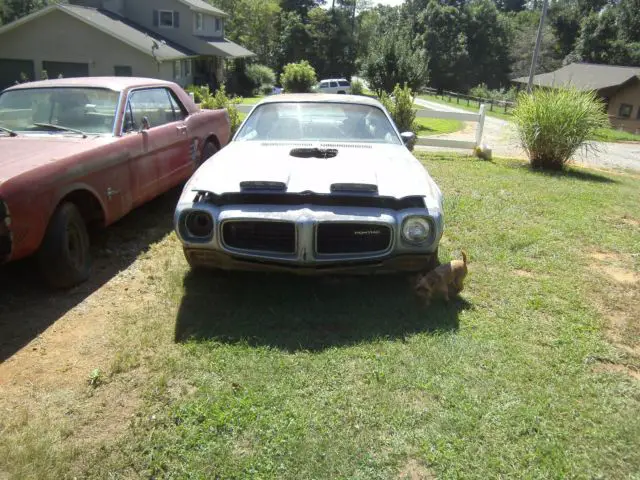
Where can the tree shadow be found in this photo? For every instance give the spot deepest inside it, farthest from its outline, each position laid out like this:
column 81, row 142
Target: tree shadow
column 299, row 313
column 28, row 307
column 570, row 172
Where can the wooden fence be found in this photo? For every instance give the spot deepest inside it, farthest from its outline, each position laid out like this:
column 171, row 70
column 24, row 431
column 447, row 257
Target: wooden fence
column 460, row 98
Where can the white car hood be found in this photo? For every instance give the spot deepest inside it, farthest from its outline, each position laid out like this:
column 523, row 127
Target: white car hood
column 392, row 168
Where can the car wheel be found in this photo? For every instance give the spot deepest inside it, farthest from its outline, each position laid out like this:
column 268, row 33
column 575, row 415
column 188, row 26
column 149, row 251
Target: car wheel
column 209, row 149
column 64, row 256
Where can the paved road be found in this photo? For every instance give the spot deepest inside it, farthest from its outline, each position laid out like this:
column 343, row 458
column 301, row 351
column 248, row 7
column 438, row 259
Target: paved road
column 499, row 135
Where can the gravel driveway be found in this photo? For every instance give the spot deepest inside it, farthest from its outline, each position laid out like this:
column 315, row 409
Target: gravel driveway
column 499, row 135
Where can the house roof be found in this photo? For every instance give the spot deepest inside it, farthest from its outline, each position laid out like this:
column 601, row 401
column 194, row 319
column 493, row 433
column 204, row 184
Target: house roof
column 140, row 37
column 584, row 76
column 204, row 7
column 127, row 32
column 227, row 48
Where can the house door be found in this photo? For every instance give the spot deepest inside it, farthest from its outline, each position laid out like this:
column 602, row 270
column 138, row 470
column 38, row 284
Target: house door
column 12, row 71
column 66, row 69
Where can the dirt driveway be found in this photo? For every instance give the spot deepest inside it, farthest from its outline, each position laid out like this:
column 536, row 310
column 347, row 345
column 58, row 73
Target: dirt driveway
column 500, row 136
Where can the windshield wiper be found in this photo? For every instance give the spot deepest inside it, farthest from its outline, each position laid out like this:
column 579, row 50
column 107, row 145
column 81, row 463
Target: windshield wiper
column 61, row 128
column 9, row 131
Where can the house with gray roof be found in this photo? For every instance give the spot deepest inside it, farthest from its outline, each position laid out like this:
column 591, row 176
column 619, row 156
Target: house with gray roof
column 177, row 40
column 618, row 86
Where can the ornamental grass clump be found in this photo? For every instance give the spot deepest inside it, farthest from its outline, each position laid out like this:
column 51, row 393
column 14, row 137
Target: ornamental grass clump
column 553, row 124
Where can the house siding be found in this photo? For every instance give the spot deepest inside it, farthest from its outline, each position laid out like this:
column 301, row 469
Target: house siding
column 630, row 95
column 142, row 13
column 58, row 37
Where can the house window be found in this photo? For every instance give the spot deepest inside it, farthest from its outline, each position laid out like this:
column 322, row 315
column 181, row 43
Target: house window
column 166, row 19
column 199, row 21
column 218, row 24
column 123, row 71
column 625, row 110
column 186, row 68
column 176, row 69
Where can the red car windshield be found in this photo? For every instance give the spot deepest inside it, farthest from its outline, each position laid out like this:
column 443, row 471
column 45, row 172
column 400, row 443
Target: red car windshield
column 59, row 110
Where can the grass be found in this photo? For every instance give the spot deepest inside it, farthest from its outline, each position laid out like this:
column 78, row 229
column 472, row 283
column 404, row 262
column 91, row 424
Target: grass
column 613, row 135
column 247, row 376
column 251, row 100
column 437, row 126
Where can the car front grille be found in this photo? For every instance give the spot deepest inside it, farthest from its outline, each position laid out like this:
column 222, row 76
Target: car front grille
column 260, row 236
column 352, row 238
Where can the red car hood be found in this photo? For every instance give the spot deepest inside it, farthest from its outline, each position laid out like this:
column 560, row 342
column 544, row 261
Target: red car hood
column 24, row 153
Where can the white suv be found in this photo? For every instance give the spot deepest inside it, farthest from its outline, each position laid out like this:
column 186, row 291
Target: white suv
column 334, row 85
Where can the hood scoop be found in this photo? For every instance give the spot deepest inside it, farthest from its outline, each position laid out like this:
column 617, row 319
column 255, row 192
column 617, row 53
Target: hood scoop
column 354, row 188
column 313, row 152
column 263, row 186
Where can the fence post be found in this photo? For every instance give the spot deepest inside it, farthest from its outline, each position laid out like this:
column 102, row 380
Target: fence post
column 480, row 127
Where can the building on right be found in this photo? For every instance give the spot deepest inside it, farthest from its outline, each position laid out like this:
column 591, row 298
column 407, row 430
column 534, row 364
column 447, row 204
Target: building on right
column 618, row 86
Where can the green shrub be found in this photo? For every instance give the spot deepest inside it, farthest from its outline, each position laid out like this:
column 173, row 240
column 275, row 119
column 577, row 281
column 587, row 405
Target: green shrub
column 501, row 94
column 400, row 107
column 298, row 77
column 357, row 87
column 261, row 77
column 553, row 124
column 199, row 92
column 221, row 100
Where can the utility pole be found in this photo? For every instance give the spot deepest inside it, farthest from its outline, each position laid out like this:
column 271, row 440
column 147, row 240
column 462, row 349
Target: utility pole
column 536, row 51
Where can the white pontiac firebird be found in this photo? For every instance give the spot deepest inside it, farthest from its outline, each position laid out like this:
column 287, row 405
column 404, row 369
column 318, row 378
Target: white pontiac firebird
column 313, row 184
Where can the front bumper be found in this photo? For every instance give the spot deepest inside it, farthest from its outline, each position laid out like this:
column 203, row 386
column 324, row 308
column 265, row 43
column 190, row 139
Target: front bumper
column 399, row 256
column 390, row 265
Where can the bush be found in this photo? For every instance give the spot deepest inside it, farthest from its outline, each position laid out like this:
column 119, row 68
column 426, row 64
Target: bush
column 221, row 100
column 199, row 91
column 357, row 88
column 298, row 77
column 553, row 124
column 482, row 91
column 400, row 107
column 261, row 77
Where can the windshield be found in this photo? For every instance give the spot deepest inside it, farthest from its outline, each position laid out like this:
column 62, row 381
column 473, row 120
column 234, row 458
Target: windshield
column 59, row 110
column 318, row 122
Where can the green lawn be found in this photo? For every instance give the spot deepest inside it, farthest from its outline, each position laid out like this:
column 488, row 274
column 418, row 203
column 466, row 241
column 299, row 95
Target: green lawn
column 436, row 126
column 247, row 376
column 612, row 135
column 251, row 100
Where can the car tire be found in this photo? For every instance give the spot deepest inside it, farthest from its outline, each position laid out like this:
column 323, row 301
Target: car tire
column 64, row 257
column 209, row 149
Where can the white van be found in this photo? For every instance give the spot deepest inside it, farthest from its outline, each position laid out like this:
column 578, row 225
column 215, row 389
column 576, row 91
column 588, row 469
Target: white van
column 334, row 85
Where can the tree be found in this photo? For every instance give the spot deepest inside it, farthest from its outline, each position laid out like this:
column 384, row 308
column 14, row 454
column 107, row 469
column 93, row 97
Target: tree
column 524, row 29
column 444, row 39
column 253, row 24
column 392, row 61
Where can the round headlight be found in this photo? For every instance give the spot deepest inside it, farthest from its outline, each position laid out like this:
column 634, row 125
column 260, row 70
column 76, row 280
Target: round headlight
column 416, row 230
column 199, row 224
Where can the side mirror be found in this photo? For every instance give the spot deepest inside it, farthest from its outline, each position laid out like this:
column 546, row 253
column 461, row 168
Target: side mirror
column 408, row 137
column 145, row 125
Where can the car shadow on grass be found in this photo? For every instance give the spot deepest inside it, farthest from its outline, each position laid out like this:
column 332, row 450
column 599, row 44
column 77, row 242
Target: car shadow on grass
column 28, row 307
column 310, row 314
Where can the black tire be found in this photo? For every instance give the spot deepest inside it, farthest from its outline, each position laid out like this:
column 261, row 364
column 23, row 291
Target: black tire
column 64, row 256
column 209, row 149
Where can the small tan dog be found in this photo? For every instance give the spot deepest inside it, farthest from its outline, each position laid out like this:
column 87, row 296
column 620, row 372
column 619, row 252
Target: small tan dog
column 446, row 279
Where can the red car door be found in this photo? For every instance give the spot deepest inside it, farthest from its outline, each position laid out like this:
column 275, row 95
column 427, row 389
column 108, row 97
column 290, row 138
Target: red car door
column 142, row 145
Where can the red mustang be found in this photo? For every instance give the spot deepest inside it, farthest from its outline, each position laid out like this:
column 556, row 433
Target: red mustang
column 83, row 152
